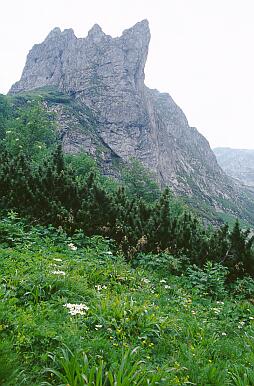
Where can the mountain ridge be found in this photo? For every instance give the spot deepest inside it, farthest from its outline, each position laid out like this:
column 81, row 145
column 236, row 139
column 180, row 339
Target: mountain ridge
column 237, row 163
column 104, row 77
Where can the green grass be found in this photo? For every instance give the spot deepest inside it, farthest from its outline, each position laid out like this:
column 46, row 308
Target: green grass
column 49, row 93
column 136, row 327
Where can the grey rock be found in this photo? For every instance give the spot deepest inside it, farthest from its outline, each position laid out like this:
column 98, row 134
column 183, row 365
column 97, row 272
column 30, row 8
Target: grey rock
column 237, row 163
column 105, row 77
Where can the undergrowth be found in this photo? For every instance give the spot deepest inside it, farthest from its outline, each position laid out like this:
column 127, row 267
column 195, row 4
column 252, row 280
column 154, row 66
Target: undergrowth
column 74, row 312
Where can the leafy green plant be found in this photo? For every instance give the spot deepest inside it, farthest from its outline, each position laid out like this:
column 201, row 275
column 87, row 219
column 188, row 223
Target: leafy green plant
column 30, row 131
column 8, row 357
column 139, row 181
column 209, row 280
column 241, row 376
column 73, row 368
column 131, row 372
column 244, row 287
column 163, row 262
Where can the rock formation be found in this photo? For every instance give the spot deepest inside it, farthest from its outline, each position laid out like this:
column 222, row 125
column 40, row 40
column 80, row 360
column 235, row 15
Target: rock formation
column 237, row 163
column 117, row 116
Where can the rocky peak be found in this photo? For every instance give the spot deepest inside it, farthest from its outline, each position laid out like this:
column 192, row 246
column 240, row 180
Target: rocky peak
column 70, row 64
column 105, row 76
column 140, row 32
column 96, row 33
column 69, row 32
column 57, row 36
column 55, row 32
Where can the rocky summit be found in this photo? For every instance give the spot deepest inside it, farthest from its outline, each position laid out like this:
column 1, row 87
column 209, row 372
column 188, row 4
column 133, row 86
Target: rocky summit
column 105, row 109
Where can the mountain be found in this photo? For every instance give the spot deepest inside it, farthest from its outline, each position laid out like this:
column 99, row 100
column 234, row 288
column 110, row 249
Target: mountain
column 95, row 86
column 237, row 163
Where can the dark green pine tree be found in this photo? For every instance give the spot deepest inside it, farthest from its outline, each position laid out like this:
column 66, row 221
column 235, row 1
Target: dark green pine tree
column 60, row 191
column 219, row 244
column 184, row 234
column 240, row 259
column 120, row 203
column 58, row 160
column 159, row 231
column 5, row 113
column 95, row 213
column 19, row 180
column 5, row 180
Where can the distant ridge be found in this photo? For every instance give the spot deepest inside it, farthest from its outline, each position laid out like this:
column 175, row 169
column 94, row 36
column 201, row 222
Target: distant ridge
column 237, row 163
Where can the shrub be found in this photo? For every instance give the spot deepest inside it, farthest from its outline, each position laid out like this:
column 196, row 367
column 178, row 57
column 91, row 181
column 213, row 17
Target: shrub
column 244, row 287
column 209, row 280
column 165, row 262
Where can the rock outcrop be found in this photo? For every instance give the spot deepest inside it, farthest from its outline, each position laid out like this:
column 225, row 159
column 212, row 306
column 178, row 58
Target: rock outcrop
column 237, row 163
column 104, row 77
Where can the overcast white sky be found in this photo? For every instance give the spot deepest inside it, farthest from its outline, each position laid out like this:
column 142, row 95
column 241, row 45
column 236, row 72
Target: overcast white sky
column 201, row 52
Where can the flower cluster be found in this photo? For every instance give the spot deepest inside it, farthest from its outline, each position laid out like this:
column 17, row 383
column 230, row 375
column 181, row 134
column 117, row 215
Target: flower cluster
column 58, row 260
column 58, row 273
column 76, row 309
column 72, row 246
column 216, row 310
column 100, row 287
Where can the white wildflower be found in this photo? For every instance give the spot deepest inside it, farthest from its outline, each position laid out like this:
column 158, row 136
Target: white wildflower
column 251, row 318
column 72, row 246
column 167, row 286
column 163, row 281
column 58, row 273
column 241, row 324
column 100, row 287
column 216, row 310
column 220, row 302
column 223, row 334
column 76, row 309
column 98, row 326
column 108, row 253
column 57, row 259
column 8, row 131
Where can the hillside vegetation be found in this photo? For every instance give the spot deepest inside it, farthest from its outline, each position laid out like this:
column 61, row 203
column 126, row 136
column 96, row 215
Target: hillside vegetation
column 74, row 312
column 107, row 282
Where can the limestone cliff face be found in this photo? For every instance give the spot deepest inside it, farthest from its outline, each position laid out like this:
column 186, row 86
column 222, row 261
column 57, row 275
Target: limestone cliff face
column 104, row 76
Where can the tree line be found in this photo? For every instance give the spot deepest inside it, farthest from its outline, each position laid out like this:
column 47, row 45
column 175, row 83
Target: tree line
column 39, row 182
column 52, row 193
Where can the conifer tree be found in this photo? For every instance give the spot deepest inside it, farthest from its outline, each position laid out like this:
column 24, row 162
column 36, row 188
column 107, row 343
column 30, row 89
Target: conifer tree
column 240, row 258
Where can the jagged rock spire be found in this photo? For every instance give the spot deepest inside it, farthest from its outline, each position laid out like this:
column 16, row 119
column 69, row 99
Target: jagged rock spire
column 62, row 58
